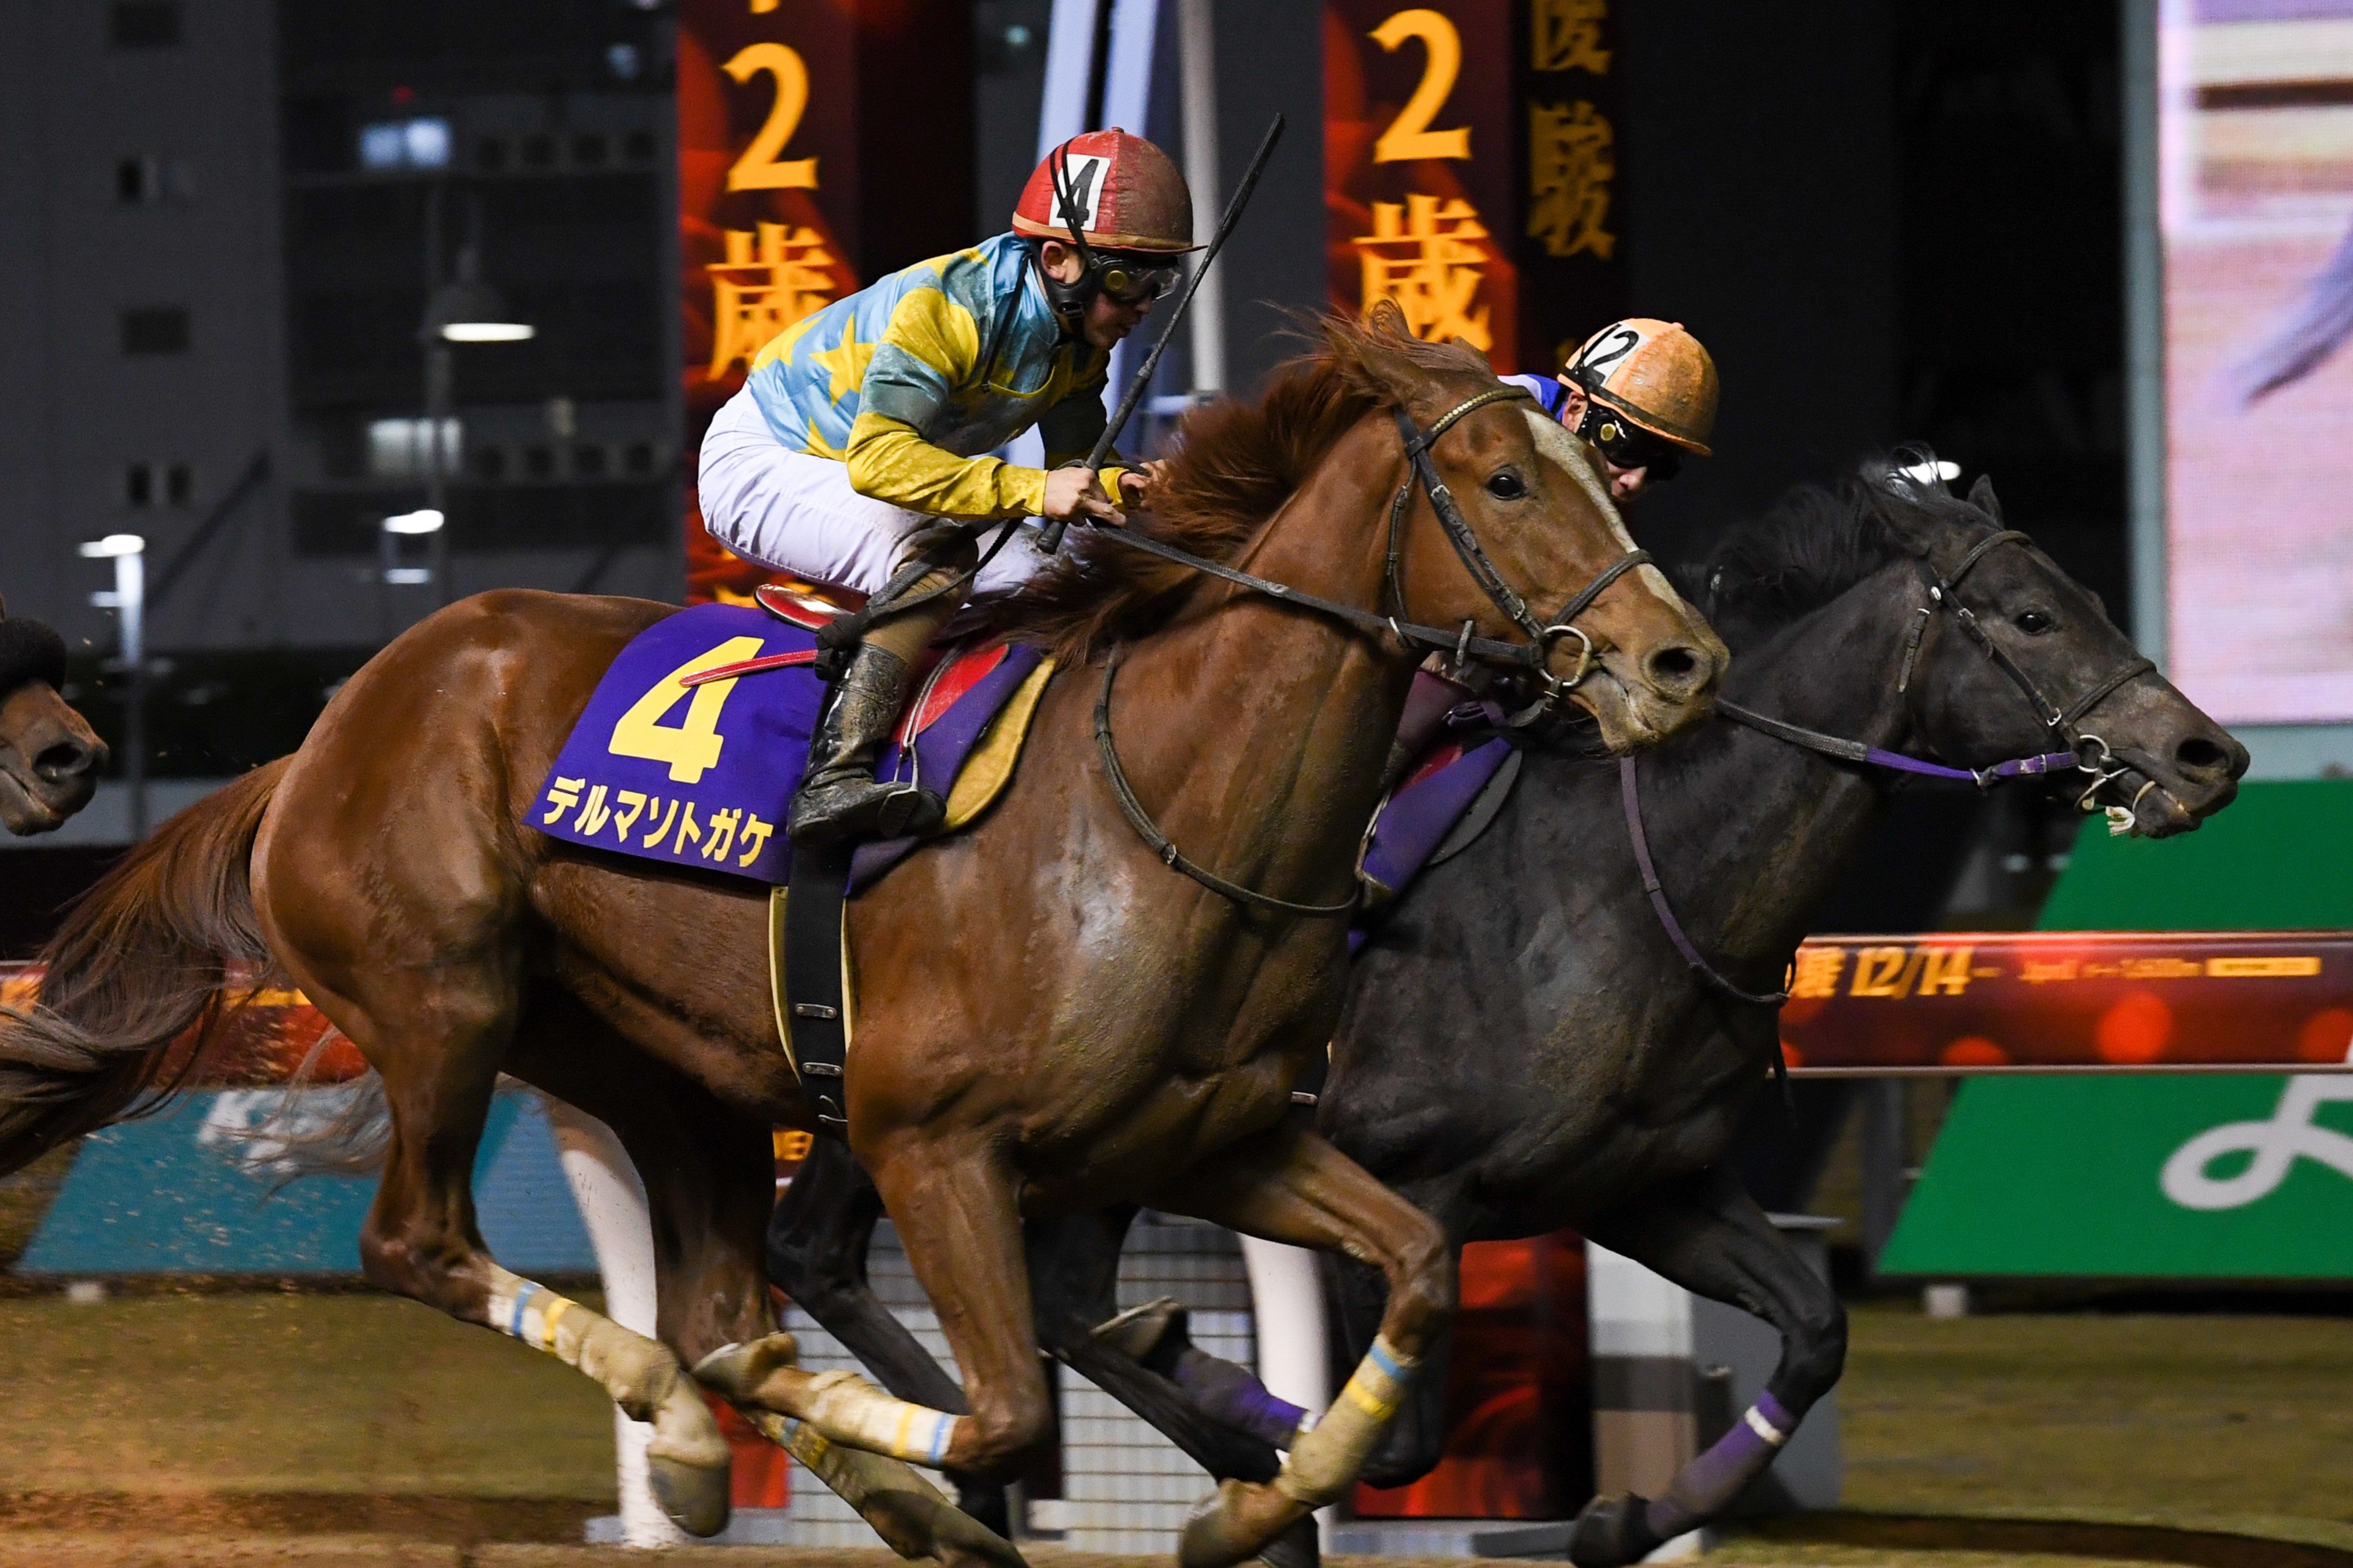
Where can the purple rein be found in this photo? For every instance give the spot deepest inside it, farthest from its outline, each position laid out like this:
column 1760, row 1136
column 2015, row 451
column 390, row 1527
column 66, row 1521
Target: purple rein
column 1879, row 757
column 1631, row 798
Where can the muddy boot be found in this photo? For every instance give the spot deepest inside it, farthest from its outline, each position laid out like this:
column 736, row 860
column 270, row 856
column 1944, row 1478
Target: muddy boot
column 841, row 799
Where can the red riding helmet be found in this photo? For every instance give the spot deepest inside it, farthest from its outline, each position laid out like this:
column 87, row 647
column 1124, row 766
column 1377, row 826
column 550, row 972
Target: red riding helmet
column 1128, row 193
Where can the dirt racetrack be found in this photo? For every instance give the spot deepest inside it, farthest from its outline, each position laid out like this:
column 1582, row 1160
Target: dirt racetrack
column 269, row 1427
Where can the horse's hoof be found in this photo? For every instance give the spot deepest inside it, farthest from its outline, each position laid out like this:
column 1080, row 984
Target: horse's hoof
column 738, row 1372
column 1613, row 1532
column 1235, row 1524
column 1296, row 1547
column 694, row 1495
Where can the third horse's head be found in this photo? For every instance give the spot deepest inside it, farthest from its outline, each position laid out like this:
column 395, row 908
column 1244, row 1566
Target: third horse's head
column 1537, row 530
column 49, row 758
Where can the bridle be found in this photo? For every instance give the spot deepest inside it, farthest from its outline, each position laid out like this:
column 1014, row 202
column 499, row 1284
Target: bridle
column 1463, row 645
column 2086, row 753
column 2089, row 752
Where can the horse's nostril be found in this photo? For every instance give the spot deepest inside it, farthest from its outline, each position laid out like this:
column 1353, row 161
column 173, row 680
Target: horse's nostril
column 2198, row 755
column 63, row 761
column 1675, row 665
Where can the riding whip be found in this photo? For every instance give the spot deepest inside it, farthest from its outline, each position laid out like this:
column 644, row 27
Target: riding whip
column 1050, row 539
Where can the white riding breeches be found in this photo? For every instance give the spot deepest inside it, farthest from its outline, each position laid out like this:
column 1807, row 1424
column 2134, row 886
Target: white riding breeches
column 797, row 514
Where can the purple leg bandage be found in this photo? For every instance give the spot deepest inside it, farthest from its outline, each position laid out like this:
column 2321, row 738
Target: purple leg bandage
column 1230, row 1396
column 1708, row 1484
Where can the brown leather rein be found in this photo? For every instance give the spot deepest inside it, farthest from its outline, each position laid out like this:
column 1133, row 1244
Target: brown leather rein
column 1462, row 644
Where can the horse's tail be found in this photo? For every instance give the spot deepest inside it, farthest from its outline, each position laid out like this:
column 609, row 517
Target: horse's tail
column 143, row 957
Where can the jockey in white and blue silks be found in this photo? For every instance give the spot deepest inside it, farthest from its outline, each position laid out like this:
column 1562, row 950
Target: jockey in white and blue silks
column 864, row 428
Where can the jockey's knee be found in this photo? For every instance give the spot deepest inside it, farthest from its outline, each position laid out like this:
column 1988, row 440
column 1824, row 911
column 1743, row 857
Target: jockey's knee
column 950, row 547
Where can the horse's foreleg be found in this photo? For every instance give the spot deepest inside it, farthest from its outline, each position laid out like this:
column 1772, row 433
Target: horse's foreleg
column 818, row 1238
column 1202, row 1404
column 421, row 1240
column 1709, row 1236
column 1415, row 1438
column 959, row 1219
column 1287, row 1185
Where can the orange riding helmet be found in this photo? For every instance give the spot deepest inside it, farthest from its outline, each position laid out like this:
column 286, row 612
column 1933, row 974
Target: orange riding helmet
column 1652, row 373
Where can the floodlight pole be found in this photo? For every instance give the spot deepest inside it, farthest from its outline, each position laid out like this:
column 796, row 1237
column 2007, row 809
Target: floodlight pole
column 437, row 371
column 438, row 401
column 130, row 602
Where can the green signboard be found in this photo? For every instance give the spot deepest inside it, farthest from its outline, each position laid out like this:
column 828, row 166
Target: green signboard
column 2207, row 1177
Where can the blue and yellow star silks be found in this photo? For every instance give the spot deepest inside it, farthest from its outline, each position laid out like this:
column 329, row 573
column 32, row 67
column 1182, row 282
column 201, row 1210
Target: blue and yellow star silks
column 889, row 381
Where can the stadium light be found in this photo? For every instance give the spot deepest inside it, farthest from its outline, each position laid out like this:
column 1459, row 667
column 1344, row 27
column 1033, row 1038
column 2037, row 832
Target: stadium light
column 472, row 312
column 425, row 519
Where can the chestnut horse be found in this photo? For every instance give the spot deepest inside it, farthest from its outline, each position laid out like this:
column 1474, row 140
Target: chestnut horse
column 1049, row 1016
column 1524, row 1047
column 50, row 757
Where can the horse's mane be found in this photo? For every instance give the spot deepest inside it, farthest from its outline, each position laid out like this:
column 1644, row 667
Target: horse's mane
column 1821, row 540
column 1236, row 463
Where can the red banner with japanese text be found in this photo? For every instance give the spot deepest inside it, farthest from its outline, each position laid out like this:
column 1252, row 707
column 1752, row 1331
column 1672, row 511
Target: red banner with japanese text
column 761, row 210
column 1470, row 167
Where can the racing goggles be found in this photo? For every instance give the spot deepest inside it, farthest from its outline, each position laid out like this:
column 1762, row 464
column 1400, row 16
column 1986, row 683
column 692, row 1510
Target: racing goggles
column 1628, row 446
column 1133, row 282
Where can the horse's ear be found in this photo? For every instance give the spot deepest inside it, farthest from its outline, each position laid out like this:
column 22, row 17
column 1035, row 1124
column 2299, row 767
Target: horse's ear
column 1382, row 357
column 1981, row 497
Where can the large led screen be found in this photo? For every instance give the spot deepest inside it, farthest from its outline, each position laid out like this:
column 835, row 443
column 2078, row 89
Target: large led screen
column 2255, row 151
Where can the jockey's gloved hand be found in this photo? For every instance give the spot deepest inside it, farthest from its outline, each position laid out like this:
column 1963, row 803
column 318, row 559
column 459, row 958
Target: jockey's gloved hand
column 1076, row 495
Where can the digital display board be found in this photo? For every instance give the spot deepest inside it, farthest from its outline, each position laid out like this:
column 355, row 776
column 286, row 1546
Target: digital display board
column 2255, row 200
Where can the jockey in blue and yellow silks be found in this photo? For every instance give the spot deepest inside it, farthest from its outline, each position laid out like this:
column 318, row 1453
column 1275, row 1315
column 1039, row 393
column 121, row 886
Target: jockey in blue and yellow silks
column 902, row 381
column 864, row 428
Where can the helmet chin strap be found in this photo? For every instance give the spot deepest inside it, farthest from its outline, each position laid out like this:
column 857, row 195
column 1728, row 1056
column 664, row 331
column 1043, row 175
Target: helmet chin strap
column 1070, row 300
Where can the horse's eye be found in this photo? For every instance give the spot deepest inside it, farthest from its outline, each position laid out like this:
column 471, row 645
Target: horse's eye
column 2034, row 623
column 1507, row 485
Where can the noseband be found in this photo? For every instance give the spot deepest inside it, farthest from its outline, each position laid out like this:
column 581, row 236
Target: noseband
column 2088, row 751
column 1536, row 653
column 1461, row 645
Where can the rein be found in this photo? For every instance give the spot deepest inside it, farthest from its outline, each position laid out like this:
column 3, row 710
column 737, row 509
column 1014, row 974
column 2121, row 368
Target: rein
column 1461, row 645
column 2081, row 753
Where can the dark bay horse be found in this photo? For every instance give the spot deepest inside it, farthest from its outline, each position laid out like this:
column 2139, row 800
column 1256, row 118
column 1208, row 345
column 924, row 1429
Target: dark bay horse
column 49, row 756
column 1050, row 1017
column 1522, row 1049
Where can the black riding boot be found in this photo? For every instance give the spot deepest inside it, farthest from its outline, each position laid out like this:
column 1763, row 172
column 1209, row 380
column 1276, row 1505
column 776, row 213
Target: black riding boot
column 841, row 799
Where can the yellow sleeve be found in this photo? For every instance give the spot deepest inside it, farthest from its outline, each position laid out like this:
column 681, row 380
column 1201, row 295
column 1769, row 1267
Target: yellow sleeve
column 932, row 346
column 892, row 463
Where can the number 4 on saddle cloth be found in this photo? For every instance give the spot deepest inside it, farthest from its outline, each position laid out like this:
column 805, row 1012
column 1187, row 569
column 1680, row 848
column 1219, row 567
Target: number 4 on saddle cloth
column 685, row 756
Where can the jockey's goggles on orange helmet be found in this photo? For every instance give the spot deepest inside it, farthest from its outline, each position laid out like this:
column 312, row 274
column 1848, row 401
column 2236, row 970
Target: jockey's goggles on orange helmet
column 1627, row 444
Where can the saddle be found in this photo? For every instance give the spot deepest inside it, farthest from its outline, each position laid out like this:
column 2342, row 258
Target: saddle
column 966, row 719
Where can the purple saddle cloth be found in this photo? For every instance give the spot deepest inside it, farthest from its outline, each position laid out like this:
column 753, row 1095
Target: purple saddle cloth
column 1420, row 812
column 700, row 775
